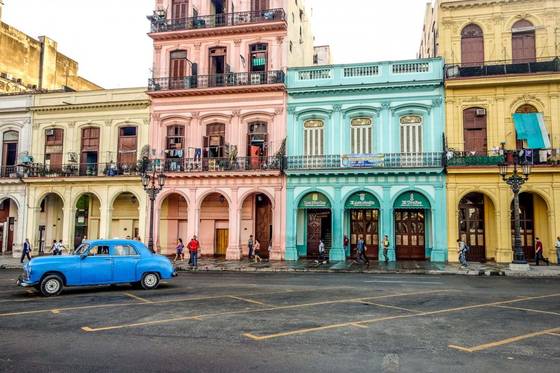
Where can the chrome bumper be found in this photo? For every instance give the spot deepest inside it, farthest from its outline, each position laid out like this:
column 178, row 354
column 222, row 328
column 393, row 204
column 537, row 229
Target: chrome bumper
column 23, row 283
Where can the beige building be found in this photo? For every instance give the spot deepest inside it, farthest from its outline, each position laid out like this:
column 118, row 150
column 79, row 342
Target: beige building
column 322, row 55
column 84, row 177
column 28, row 64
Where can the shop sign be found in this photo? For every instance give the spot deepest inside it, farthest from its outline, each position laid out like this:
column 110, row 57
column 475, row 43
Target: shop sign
column 362, row 160
column 362, row 200
column 412, row 200
column 315, row 201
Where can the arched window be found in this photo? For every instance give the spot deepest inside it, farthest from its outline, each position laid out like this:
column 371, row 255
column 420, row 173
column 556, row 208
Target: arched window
column 411, row 134
column 10, row 141
column 523, row 48
column 257, row 142
column 474, row 130
column 524, row 109
column 258, row 57
column 472, row 45
column 313, row 137
column 360, row 134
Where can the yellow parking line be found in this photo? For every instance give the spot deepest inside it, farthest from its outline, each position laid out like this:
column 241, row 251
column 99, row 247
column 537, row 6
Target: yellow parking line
column 556, row 334
column 249, row 301
column 56, row 312
column 529, row 310
column 389, row 306
column 428, row 313
column 294, row 306
column 360, row 326
column 502, row 342
column 138, row 298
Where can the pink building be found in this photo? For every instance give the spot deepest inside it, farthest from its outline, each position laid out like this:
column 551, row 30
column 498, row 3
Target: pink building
column 218, row 119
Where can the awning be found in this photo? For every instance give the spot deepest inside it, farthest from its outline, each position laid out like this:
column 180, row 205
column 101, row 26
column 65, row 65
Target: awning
column 530, row 127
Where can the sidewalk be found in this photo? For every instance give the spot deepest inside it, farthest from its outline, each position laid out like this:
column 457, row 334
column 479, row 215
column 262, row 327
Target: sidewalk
column 426, row 268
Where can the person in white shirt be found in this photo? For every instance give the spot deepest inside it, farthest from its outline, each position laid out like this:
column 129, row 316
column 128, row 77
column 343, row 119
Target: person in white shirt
column 557, row 246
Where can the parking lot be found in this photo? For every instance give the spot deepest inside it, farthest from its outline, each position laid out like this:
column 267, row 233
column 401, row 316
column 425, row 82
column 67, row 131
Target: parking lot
column 286, row 322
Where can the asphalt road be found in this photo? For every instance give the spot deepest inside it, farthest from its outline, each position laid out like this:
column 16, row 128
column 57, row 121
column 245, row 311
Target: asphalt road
column 227, row 322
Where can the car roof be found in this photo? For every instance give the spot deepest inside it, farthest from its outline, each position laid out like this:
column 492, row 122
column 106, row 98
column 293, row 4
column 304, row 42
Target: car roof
column 136, row 244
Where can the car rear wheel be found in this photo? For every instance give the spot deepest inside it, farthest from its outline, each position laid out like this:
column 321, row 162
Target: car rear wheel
column 150, row 281
column 51, row 285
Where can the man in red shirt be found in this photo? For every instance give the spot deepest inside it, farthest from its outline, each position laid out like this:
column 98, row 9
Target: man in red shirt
column 539, row 253
column 193, row 247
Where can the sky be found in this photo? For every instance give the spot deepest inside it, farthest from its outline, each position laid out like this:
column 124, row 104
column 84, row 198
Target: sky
column 108, row 37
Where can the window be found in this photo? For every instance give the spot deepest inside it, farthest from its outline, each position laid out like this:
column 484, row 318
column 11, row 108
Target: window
column 258, row 57
column 10, row 141
column 99, row 250
column 524, row 109
column 313, row 137
column 474, row 131
column 291, row 46
column 90, row 151
column 523, row 47
column 179, row 10
column 214, row 141
column 259, row 5
column 175, row 138
column 360, row 134
column 411, row 134
column 124, row 250
column 472, row 45
column 258, row 139
column 54, row 142
column 127, row 146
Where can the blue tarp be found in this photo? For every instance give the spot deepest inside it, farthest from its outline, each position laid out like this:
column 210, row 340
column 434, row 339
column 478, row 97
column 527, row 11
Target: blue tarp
column 530, row 128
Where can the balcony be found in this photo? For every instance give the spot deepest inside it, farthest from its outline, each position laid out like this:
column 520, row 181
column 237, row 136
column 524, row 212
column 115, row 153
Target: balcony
column 220, row 165
column 505, row 67
column 38, row 170
column 365, row 161
column 222, row 83
column 163, row 28
column 542, row 157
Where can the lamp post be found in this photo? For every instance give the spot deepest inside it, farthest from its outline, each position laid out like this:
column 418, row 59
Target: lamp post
column 516, row 181
column 153, row 184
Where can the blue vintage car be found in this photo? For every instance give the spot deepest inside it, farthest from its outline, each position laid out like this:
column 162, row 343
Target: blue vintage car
column 99, row 262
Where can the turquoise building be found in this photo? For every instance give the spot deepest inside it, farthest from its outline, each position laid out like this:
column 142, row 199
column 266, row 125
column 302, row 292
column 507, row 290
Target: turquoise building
column 365, row 158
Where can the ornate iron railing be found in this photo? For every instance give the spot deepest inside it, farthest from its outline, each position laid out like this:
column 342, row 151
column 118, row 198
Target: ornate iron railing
column 238, row 164
column 162, row 24
column 366, row 161
column 215, row 81
column 535, row 157
column 79, row 170
column 505, row 67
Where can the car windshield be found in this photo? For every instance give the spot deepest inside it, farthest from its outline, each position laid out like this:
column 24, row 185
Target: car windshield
column 82, row 249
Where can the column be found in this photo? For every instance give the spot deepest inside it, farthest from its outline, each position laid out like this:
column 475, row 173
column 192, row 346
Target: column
column 234, row 249
column 337, row 251
column 387, row 220
column 439, row 233
column 277, row 227
column 291, row 228
column 452, row 225
column 504, row 251
column 67, row 226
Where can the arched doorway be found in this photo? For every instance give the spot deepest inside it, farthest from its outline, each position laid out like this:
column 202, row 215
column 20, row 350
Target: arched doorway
column 523, row 46
column 411, row 210
column 533, row 214
column 477, row 225
column 256, row 220
column 214, row 224
column 8, row 225
column 172, row 222
column 314, row 211
column 49, row 221
column 87, row 219
column 362, row 212
column 472, row 45
column 125, row 216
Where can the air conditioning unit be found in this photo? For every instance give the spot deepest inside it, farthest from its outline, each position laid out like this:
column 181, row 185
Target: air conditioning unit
column 49, row 132
column 480, row 112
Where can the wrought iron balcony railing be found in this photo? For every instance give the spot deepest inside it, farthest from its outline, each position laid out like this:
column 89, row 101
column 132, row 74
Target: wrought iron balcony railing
column 9, row 172
column 78, row 169
column 215, row 81
column 535, row 157
column 366, row 161
column 162, row 24
column 506, row 67
column 239, row 164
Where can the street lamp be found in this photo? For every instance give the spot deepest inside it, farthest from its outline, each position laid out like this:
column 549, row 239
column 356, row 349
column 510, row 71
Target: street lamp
column 516, row 181
column 153, row 184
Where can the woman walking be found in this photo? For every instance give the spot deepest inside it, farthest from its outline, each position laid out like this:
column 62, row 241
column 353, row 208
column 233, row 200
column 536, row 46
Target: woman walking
column 180, row 251
column 257, row 249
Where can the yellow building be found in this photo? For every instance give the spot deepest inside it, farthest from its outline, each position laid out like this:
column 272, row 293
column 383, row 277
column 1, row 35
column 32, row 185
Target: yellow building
column 27, row 64
column 501, row 69
column 83, row 179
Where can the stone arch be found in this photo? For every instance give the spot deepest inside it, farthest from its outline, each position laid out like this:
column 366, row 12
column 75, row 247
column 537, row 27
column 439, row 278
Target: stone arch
column 208, row 192
column 167, row 192
column 125, row 220
column 305, row 192
column 252, row 191
column 361, row 189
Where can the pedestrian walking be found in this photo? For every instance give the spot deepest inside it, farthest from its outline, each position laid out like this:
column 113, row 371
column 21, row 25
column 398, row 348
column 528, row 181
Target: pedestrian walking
column 61, row 247
column 193, row 247
column 26, row 252
column 539, row 253
column 179, row 251
column 361, row 247
column 462, row 250
column 54, row 248
column 386, row 244
column 257, row 248
column 322, row 253
column 346, row 244
column 250, row 244
column 557, row 246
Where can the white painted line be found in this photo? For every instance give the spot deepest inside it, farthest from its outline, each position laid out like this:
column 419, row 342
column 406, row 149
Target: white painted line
column 404, row 282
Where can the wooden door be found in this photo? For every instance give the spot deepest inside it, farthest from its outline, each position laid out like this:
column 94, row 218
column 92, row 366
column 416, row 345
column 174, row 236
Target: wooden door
column 222, row 241
column 318, row 227
column 177, row 69
column 127, row 146
column 526, row 212
column 474, row 131
column 54, row 144
column 410, row 235
column 263, row 223
column 365, row 223
column 523, row 47
column 179, row 10
column 90, row 151
column 259, row 5
column 472, row 46
column 471, row 226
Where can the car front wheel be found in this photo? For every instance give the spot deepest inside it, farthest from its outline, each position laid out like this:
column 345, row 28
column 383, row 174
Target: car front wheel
column 150, row 281
column 51, row 286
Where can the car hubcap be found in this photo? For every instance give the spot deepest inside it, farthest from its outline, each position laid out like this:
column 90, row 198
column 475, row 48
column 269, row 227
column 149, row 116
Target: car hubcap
column 52, row 286
column 150, row 280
